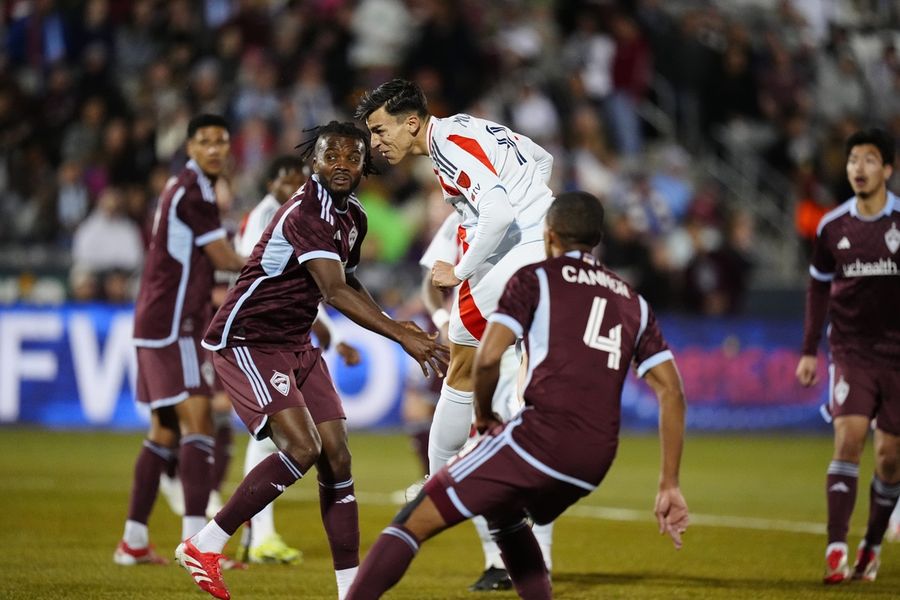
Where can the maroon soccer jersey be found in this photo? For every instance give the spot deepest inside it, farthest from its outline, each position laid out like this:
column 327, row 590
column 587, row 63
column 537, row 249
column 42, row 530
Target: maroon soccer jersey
column 858, row 255
column 178, row 276
column 583, row 326
column 275, row 299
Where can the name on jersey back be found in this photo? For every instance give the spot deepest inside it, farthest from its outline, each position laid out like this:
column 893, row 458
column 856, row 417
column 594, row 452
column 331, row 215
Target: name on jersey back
column 574, row 274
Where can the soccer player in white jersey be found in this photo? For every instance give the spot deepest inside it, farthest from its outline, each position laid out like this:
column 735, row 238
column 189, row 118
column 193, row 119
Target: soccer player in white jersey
column 506, row 402
column 497, row 180
column 284, row 176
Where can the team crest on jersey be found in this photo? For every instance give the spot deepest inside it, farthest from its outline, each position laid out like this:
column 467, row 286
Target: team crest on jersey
column 463, row 181
column 892, row 238
column 351, row 237
column 841, row 391
column 281, row 383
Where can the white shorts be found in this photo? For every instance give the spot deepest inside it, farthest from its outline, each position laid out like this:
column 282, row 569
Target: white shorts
column 478, row 296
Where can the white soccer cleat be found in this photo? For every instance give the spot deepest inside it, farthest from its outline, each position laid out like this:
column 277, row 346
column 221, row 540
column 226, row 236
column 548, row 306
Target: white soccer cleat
column 127, row 556
column 171, row 490
column 868, row 559
column 837, row 569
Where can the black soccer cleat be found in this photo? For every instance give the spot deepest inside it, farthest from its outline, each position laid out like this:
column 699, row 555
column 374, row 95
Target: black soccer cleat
column 493, row 579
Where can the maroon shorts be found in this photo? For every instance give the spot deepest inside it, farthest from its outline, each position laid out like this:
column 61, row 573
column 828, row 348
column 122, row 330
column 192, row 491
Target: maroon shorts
column 870, row 392
column 169, row 375
column 495, row 479
column 262, row 382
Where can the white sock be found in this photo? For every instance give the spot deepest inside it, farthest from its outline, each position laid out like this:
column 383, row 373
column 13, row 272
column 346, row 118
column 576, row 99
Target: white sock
column 492, row 556
column 211, row 538
column 345, row 579
column 191, row 525
column 262, row 524
column 450, row 426
column 506, row 396
column 136, row 535
column 544, row 535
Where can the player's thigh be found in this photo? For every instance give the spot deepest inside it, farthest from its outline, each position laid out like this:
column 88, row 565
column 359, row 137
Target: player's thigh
column 459, row 371
column 256, row 398
column 294, row 432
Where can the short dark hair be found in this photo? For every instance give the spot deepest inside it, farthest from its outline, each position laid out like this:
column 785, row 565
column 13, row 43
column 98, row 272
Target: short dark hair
column 577, row 218
column 206, row 120
column 398, row 96
column 286, row 162
column 346, row 129
column 879, row 138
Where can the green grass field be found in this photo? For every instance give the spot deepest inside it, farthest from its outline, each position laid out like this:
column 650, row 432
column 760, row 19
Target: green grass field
column 757, row 504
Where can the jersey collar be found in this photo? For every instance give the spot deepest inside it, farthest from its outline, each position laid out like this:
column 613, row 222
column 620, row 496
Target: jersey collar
column 324, row 193
column 585, row 256
column 889, row 205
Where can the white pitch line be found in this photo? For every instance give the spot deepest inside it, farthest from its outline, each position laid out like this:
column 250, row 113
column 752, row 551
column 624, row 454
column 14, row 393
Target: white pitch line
column 608, row 513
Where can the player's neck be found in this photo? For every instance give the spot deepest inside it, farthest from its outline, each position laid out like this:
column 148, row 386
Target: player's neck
column 872, row 204
column 420, row 142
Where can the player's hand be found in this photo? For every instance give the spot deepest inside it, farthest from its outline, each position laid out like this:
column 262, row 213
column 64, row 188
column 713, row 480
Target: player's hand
column 348, row 353
column 431, row 355
column 483, row 424
column 806, row 370
column 442, row 275
column 671, row 514
column 412, row 326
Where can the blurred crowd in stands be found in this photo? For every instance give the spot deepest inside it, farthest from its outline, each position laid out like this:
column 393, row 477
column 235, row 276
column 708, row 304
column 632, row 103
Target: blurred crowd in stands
column 630, row 97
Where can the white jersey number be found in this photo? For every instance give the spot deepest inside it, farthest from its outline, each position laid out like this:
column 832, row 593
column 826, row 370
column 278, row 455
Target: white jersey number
column 594, row 339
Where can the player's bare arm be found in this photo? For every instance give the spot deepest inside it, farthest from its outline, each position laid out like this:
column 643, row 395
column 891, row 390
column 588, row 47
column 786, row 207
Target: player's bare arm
column 670, row 507
column 330, row 278
column 223, row 256
column 486, row 372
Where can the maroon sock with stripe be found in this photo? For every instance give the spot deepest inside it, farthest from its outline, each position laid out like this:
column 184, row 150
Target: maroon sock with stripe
column 260, row 487
column 524, row 562
column 882, row 499
column 195, row 462
column 222, row 453
column 151, row 461
column 340, row 516
column 840, row 489
column 387, row 561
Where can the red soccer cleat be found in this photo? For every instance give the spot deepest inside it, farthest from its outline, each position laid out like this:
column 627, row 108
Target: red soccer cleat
column 127, row 556
column 837, row 570
column 868, row 559
column 204, row 568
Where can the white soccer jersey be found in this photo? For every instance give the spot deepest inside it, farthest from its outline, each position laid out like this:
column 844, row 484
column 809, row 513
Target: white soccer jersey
column 497, row 181
column 257, row 221
column 445, row 243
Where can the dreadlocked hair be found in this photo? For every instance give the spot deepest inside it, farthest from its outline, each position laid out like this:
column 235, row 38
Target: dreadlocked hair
column 346, row 129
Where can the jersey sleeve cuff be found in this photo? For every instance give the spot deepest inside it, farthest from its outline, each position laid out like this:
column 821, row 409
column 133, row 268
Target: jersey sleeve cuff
column 210, row 236
column 819, row 275
column 318, row 254
column 657, row 359
column 508, row 322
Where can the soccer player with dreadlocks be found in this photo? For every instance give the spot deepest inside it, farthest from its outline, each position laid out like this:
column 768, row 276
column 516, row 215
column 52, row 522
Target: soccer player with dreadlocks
column 278, row 383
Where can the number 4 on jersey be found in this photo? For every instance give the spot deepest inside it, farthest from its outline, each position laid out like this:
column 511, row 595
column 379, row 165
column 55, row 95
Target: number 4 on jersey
column 594, row 339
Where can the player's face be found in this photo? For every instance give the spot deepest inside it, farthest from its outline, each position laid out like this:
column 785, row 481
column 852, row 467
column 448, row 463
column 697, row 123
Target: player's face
column 209, row 148
column 339, row 163
column 866, row 171
column 287, row 182
column 391, row 135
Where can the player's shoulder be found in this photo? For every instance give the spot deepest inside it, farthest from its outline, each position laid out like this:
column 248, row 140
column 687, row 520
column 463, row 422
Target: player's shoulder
column 197, row 185
column 835, row 214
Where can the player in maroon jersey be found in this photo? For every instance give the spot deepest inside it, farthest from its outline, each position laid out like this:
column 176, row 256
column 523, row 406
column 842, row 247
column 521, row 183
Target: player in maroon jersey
column 583, row 327
column 278, row 383
column 187, row 244
column 855, row 280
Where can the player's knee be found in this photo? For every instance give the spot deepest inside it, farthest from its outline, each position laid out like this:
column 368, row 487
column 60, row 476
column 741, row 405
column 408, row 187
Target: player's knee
column 304, row 452
column 337, row 462
column 887, row 463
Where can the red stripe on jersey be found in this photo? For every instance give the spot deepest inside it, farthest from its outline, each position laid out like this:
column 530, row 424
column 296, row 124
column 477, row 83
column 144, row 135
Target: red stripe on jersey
column 471, row 146
column 448, row 188
column 469, row 314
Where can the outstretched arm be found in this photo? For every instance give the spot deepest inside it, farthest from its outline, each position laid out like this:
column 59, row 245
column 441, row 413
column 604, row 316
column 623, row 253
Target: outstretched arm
column 361, row 309
column 671, row 509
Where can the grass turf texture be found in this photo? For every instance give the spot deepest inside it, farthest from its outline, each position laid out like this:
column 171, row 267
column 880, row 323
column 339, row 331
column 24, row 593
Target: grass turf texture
column 65, row 495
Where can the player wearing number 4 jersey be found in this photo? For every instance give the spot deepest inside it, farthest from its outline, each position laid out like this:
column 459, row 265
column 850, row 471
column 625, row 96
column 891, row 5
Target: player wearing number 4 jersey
column 559, row 448
column 496, row 180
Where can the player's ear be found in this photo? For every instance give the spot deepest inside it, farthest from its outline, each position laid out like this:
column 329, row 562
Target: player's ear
column 413, row 122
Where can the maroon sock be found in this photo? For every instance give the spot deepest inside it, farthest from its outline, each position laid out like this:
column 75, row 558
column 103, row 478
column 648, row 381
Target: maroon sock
column 387, row 561
column 150, row 463
column 418, row 437
column 195, row 463
column 523, row 559
column 172, row 466
column 840, row 488
column 882, row 499
column 260, row 486
column 222, row 455
column 340, row 516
